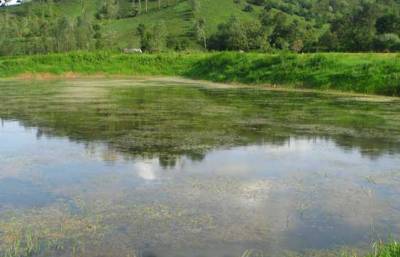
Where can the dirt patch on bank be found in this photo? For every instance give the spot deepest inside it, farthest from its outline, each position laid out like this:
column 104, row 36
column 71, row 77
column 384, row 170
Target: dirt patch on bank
column 47, row 76
column 75, row 75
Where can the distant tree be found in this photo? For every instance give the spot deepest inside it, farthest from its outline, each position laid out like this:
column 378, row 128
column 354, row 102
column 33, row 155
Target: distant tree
column 256, row 35
column 281, row 33
column 109, row 9
column 140, row 6
column 64, row 35
column 195, row 7
column 297, row 45
column 134, row 10
column 257, row 2
column 248, row 8
column 158, row 37
column 141, row 29
column 357, row 30
column 230, row 36
column 238, row 35
column 84, row 33
column 388, row 23
column 200, row 32
column 97, row 36
column 153, row 39
column 363, row 25
column 329, row 41
column 387, row 42
column 175, row 43
column 144, row 36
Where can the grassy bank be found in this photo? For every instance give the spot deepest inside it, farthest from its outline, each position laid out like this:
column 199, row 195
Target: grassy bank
column 363, row 73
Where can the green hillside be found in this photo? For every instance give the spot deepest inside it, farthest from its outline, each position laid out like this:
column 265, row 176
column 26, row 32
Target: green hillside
column 43, row 26
column 176, row 15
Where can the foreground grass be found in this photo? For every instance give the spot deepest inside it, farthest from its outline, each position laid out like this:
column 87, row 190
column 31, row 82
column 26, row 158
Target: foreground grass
column 386, row 250
column 363, row 73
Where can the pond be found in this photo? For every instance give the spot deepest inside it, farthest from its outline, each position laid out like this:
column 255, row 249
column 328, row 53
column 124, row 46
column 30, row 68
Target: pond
column 167, row 167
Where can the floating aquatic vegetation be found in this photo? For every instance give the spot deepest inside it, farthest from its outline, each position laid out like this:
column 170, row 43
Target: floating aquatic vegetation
column 133, row 167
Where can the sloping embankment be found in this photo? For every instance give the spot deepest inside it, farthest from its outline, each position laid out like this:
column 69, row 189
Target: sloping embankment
column 363, row 73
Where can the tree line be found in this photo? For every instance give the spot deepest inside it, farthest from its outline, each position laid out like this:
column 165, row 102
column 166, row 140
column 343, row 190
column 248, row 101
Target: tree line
column 311, row 26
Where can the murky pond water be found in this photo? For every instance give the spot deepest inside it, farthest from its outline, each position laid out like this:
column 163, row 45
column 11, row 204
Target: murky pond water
column 178, row 168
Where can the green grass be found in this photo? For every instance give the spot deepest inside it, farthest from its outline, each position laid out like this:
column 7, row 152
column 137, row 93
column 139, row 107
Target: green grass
column 101, row 62
column 391, row 249
column 362, row 73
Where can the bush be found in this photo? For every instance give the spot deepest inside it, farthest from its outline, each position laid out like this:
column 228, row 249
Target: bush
column 257, row 2
column 248, row 8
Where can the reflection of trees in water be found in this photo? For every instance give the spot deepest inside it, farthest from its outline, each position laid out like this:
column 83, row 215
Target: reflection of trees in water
column 169, row 155
column 369, row 147
column 169, row 122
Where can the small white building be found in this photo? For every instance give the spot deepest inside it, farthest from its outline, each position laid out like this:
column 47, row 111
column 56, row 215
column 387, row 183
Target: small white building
column 4, row 3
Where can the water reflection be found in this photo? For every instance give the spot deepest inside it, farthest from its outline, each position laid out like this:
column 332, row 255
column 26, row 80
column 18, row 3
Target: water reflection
column 170, row 119
column 19, row 193
column 296, row 194
column 149, row 168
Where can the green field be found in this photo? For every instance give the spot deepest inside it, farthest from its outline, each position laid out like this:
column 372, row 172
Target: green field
column 361, row 73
